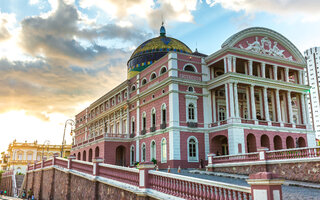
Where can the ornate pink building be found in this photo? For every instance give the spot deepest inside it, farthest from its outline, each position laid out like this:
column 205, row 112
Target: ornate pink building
column 177, row 105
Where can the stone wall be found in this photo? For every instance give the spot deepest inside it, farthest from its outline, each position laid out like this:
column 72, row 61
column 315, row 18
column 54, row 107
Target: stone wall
column 297, row 171
column 55, row 184
column 6, row 184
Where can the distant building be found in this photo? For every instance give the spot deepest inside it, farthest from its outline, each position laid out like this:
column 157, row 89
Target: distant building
column 313, row 79
column 20, row 154
column 176, row 106
column 3, row 161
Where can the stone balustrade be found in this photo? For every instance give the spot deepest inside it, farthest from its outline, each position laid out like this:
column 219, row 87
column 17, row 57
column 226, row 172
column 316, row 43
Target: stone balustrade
column 159, row 184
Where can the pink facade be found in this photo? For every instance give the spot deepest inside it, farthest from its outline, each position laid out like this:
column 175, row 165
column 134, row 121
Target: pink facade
column 249, row 94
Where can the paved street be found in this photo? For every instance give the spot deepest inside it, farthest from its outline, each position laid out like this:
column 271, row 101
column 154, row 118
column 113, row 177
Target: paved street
column 289, row 192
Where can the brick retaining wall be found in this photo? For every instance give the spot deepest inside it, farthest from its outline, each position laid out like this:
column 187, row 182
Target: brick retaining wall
column 297, row 171
column 52, row 183
column 6, row 184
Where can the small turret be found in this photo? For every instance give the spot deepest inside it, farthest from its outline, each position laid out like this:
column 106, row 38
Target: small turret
column 162, row 30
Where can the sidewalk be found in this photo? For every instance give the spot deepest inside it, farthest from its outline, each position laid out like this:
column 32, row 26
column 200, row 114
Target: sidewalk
column 8, row 198
column 244, row 177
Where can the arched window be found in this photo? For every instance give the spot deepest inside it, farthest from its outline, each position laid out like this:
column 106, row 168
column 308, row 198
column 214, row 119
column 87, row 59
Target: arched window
column 153, row 76
column 143, row 152
column 163, row 150
column 153, row 117
column 193, row 149
column 153, row 150
column 163, row 114
column 163, row 70
column 144, row 81
column 190, row 89
column 132, row 155
column 79, row 156
column 189, row 68
column 191, row 111
column 133, row 88
column 84, row 156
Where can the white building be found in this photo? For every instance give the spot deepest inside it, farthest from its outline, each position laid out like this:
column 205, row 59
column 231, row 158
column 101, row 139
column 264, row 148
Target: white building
column 313, row 77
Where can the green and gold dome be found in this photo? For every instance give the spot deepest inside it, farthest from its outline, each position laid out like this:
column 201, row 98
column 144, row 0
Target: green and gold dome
column 152, row 50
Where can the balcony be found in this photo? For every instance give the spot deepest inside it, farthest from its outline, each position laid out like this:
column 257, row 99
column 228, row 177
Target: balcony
column 143, row 132
column 163, row 126
column 152, row 129
column 259, row 123
column 192, row 124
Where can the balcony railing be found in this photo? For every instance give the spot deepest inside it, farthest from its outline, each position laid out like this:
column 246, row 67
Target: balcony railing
column 260, row 122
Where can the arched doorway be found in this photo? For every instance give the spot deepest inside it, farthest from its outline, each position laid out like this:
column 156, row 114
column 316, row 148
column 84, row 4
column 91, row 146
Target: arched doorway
column 219, row 145
column 79, row 156
column 120, row 156
column 277, row 142
column 84, row 156
column 301, row 142
column 290, row 142
column 251, row 143
column 97, row 152
column 265, row 142
column 90, row 155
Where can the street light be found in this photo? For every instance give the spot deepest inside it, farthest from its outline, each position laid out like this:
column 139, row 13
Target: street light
column 70, row 122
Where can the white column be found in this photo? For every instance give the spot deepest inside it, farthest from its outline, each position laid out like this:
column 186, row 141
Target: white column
column 304, row 78
column 225, row 65
column 290, row 107
column 174, row 105
column 121, row 123
column 236, row 101
column 266, row 105
column 229, row 63
column 234, row 62
column 253, row 102
column 207, row 113
column 263, row 69
column 278, row 105
column 260, row 103
column 250, row 67
column 286, row 73
column 300, row 77
column 214, row 111
column 303, row 107
column 227, row 100
column 172, row 65
column 307, row 109
column 231, row 100
column 275, row 72
column 248, row 102
column 137, row 120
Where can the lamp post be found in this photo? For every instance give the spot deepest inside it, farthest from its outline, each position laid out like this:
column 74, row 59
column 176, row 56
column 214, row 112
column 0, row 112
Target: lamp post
column 70, row 122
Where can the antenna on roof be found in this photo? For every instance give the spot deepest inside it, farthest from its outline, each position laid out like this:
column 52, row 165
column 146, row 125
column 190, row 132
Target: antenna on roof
column 196, row 47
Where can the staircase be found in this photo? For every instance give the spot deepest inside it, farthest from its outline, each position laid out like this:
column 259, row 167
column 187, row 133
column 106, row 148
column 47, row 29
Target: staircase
column 19, row 181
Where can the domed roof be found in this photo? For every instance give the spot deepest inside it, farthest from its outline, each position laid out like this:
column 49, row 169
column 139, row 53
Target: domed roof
column 152, row 50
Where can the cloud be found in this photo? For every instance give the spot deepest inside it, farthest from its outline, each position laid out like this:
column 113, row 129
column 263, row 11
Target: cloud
column 59, row 36
column 152, row 11
column 304, row 9
column 41, row 88
column 5, row 21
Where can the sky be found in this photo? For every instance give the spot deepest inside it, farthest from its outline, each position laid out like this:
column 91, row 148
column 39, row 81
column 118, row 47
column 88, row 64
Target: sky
column 58, row 56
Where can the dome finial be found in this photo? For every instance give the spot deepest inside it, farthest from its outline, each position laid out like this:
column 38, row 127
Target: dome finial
column 162, row 30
